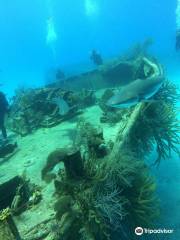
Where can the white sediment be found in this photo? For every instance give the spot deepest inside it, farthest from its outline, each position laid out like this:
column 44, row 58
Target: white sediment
column 31, row 158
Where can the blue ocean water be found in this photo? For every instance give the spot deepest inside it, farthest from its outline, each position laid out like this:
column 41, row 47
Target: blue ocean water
column 79, row 26
column 109, row 27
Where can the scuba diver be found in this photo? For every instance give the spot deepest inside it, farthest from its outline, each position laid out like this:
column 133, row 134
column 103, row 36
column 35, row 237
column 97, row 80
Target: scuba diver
column 96, row 58
column 178, row 40
column 3, row 110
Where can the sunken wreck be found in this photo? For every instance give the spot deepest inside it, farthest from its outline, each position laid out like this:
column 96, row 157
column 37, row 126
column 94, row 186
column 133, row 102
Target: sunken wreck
column 83, row 174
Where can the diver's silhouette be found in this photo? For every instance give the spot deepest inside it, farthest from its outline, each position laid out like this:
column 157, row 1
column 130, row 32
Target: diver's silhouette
column 96, row 58
column 3, row 110
column 178, row 40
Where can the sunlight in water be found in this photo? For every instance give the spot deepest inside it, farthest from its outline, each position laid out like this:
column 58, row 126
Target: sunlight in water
column 178, row 14
column 51, row 37
column 91, row 7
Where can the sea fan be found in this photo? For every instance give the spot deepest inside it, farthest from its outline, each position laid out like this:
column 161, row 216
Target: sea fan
column 111, row 207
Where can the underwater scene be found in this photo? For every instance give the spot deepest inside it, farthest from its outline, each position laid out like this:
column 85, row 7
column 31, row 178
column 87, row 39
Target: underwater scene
column 89, row 120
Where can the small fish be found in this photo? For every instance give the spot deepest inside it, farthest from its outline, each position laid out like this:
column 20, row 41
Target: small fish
column 62, row 105
column 135, row 92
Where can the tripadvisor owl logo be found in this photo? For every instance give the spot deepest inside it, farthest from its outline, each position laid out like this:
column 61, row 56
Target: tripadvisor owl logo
column 139, row 231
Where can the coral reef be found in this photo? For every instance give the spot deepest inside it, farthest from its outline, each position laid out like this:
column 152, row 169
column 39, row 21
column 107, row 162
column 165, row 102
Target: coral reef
column 87, row 97
column 18, row 194
column 110, row 115
column 143, row 201
column 111, row 191
column 91, row 140
column 157, row 124
column 130, row 178
column 35, row 108
column 8, row 229
column 72, row 160
column 5, row 213
column 106, row 202
column 117, row 193
column 102, row 189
